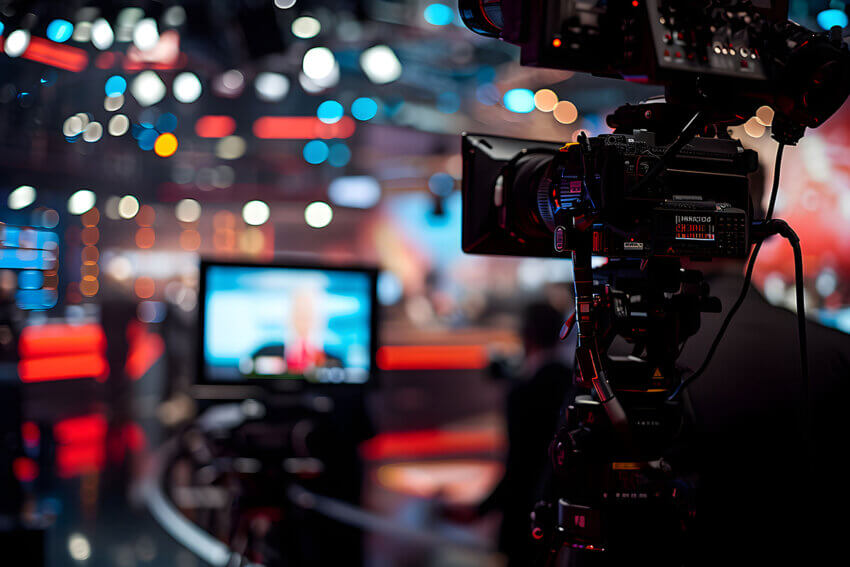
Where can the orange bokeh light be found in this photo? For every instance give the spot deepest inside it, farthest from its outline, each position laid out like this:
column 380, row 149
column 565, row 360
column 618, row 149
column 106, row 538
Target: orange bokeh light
column 145, row 237
column 145, row 287
column 190, row 240
column 145, row 216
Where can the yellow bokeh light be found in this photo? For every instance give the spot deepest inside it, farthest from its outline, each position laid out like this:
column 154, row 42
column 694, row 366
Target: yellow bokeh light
column 165, row 145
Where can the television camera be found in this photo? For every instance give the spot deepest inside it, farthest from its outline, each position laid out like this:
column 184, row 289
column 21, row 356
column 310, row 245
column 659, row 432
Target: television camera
column 668, row 184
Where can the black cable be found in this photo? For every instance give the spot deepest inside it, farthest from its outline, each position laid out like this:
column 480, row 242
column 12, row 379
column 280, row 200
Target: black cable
column 744, row 289
column 794, row 241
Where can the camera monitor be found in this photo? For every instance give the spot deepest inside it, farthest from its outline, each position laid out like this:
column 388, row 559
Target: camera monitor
column 287, row 326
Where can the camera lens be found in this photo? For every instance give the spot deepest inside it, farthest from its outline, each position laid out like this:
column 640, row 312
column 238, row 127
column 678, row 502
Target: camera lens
column 530, row 196
column 484, row 17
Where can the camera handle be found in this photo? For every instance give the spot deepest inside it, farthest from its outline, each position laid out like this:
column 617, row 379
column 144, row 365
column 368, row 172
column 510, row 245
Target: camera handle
column 591, row 371
column 695, row 125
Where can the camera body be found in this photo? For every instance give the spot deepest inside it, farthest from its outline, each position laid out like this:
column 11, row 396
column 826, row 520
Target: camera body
column 724, row 57
column 539, row 198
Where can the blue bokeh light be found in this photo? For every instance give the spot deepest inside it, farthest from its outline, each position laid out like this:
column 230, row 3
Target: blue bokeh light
column 147, row 139
column 448, row 102
column 519, row 100
column 59, row 31
column 115, row 85
column 339, row 155
column 441, row 184
column 330, row 112
column 364, row 108
column 439, row 14
column 315, row 152
column 166, row 123
column 829, row 18
column 2, row 27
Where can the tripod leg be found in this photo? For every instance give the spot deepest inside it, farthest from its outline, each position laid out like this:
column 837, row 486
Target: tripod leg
column 591, row 370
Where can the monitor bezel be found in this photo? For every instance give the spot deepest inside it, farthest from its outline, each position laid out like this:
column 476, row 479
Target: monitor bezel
column 278, row 384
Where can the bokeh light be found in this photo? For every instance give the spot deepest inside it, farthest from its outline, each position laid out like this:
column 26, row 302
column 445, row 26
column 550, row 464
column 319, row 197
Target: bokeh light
column 545, row 100
column 318, row 214
column 187, row 87
column 315, row 152
column 165, row 145
column 60, row 31
column 519, row 100
column 565, row 112
column 115, row 86
column 146, row 34
column 17, row 43
column 380, row 64
column 22, row 197
column 827, row 19
column 271, row 87
column 439, row 14
column 113, row 103
column 128, row 207
column 754, row 128
column 230, row 147
column 764, row 116
column 102, row 36
column 255, row 213
column 81, row 201
column 148, row 88
column 364, row 108
column 187, row 210
column 306, row 27
column 330, row 112
column 339, row 154
column 318, row 63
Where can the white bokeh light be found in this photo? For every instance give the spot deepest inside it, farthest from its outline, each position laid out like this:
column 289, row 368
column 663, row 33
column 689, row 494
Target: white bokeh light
column 306, row 27
column 102, row 36
column 128, row 206
column 23, row 196
column 16, row 43
column 187, row 210
column 271, row 87
column 318, row 63
column 255, row 213
column 79, row 547
column 187, row 87
column 81, row 201
column 146, row 34
column 380, row 64
column 148, row 88
column 318, row 214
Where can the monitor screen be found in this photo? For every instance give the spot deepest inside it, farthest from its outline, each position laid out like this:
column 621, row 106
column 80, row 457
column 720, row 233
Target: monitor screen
column 295, row 324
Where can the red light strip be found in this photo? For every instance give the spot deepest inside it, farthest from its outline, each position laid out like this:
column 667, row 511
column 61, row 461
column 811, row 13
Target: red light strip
column 54, row 54
column 466, row 357
column 56, row 339
column 431, row 443
column 144, row 350
column 215, row 126
column 80, row 429
column 74, row 460
column 301, row 128
column 63, row 368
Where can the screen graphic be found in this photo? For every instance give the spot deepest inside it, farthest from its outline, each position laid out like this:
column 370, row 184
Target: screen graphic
column 287, row 323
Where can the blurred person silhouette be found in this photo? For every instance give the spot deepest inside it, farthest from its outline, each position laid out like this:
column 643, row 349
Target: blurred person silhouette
column 301, row 349
column 533, row 408
column 769, row 481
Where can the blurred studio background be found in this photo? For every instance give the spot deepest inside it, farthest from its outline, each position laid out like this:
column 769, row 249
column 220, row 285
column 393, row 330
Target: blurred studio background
column 139, row 138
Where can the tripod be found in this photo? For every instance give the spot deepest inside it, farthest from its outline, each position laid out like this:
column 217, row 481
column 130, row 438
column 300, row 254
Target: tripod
column 621, row 482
